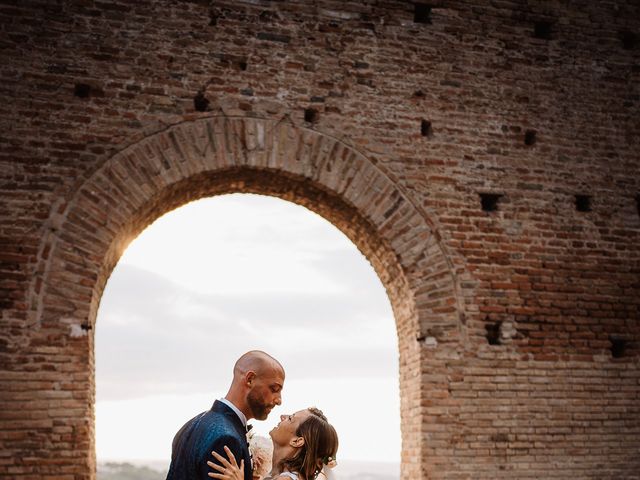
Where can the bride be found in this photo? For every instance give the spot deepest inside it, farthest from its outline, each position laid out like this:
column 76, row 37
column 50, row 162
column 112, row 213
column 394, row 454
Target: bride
column 304, row 443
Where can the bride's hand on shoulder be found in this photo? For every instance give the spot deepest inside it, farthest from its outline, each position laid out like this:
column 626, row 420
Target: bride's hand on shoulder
column 226, row 469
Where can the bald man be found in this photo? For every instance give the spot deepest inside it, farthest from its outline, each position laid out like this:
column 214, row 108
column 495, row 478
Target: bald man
column 256, row 388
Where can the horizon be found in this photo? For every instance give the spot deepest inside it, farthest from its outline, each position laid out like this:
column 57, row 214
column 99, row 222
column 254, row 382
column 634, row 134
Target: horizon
column 344, row 467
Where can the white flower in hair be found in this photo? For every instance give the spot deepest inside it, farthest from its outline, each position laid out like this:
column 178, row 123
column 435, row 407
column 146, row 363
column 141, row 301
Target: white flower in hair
column 327, row 470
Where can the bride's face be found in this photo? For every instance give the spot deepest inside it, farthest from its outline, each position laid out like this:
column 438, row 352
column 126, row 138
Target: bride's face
column 284, row 433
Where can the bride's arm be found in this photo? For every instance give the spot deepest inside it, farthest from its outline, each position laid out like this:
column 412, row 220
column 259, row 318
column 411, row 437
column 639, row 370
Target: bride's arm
column 226, row 469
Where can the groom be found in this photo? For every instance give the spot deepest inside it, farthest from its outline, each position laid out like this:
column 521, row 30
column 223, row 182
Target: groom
column 256, row 388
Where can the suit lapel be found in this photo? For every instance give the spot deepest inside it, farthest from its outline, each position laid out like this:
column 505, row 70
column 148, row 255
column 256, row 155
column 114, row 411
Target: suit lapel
column 220, row 407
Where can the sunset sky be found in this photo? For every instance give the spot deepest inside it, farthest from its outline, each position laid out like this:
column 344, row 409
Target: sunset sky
column 225, row 275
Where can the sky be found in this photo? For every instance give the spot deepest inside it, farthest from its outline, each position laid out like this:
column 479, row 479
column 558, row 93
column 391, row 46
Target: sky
column 228, row 274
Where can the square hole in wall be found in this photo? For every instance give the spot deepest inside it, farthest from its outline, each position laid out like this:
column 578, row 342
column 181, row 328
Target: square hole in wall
column 583, row 203
column 493, row 333
column 82, row 90
column 618, row 346
column 200, row 102
column 542, row 29
column 310, row 115
column 421, row 13
column 629, row 39
column 489, row 201
column 530, row 137
column 425, row 128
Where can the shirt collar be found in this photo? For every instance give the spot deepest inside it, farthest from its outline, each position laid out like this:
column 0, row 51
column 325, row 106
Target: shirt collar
column 241, row 415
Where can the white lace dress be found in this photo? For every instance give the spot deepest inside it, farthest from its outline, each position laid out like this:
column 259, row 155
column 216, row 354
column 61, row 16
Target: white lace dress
column 291, row 475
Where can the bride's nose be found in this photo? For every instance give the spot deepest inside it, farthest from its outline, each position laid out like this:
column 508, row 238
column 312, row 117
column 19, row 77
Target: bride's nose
column 282, row 417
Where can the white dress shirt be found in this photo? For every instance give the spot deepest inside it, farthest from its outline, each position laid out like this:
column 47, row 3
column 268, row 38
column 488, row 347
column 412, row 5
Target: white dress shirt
column 241, row 415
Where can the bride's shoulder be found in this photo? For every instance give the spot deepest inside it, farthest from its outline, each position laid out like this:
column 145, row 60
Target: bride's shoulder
column 286, row 476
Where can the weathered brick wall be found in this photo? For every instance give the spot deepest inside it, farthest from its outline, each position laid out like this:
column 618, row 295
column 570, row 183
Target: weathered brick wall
column 519, row 332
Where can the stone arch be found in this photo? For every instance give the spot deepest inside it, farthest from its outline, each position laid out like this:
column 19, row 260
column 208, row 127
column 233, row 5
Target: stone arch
column 89, row 230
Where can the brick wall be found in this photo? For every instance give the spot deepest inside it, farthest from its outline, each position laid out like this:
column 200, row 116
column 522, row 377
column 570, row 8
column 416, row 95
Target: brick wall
column 483, row 155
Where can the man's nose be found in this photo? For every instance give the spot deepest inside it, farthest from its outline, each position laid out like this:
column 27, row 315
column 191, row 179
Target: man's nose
column 278, row 399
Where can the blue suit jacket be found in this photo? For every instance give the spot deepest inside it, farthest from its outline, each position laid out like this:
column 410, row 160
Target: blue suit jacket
column 204, row 433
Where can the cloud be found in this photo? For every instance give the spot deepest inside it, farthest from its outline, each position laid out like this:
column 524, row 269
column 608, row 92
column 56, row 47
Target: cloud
column 240, row 243
column 154, row 336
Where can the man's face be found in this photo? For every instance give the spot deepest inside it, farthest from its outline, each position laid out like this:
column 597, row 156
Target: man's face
column 265, row 393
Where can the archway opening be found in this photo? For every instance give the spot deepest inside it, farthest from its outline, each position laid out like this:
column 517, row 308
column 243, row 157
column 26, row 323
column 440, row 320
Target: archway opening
column 227, row 274
column 91, row 225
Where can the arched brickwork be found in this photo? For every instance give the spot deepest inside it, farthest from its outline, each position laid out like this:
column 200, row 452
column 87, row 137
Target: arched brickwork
column 88, row 231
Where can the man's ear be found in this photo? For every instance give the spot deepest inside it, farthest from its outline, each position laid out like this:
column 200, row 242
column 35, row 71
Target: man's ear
column 250, row 377
column 297, row 442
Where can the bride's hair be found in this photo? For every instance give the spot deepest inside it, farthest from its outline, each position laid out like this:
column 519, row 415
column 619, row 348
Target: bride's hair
column 320, row 446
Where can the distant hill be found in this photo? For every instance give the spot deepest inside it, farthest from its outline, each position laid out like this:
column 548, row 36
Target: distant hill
column 128, row 471
column 355, row 470
column 157, row 470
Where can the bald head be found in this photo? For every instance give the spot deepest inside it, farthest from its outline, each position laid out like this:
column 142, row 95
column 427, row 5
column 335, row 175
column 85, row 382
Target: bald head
column 257, row 384
column 257, row 361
